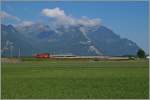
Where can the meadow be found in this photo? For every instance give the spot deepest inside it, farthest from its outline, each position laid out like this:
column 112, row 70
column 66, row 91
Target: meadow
column 75, row 79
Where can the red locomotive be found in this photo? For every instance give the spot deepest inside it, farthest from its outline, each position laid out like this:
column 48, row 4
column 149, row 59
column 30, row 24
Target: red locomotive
column 42, row 55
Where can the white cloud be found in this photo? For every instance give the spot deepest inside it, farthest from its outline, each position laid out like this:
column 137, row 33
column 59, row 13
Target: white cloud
column 89, row 22
column 56, row 12
column 25, row 23
column 59, row 15
column 62, row 19
column 5, row 15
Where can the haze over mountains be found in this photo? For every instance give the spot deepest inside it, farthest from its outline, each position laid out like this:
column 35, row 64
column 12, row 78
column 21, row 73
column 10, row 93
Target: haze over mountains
column 72, row 40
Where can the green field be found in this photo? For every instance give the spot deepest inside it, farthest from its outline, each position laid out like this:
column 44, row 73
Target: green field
column 75, row 79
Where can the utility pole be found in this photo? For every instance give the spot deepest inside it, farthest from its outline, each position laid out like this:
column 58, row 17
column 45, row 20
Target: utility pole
column 19, row 53
column 32, row 53
column 11, row 51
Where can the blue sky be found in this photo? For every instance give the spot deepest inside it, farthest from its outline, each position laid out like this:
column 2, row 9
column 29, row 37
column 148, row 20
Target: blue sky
column 127, row 19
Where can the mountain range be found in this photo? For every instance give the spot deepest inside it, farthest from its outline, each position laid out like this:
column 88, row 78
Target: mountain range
column 73, row 40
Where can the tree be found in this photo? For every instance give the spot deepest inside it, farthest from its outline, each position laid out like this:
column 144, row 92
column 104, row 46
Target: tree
column 141, row 53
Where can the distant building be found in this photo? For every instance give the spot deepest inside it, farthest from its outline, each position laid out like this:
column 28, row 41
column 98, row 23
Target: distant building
column 42, row 55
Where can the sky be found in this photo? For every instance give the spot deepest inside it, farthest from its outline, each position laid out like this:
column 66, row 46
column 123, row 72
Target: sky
column 129, row 19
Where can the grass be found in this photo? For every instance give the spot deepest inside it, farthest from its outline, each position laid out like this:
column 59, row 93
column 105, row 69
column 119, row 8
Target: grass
column 76, row 79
